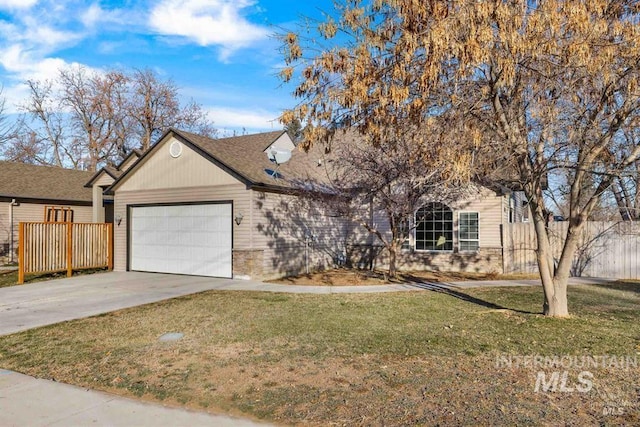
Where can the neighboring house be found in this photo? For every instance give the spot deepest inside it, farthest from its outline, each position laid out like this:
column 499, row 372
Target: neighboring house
column 220, row 207
column 39, row 193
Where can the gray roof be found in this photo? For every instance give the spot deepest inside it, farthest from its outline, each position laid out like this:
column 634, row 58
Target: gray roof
column 25, row 181
column 244, row 157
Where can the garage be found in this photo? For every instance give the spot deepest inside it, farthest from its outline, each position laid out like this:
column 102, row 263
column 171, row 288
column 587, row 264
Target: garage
column 193, row 239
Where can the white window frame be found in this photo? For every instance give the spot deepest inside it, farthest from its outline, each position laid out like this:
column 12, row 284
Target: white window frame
column 453, row 232
column 460, row 239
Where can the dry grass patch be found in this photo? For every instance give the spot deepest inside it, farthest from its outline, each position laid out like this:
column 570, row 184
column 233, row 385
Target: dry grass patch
column 355, row 277
column 393, row 359
column 10, row 278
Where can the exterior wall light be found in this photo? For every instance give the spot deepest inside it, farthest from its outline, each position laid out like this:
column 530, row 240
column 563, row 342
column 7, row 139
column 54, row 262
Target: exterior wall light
column 238, row 218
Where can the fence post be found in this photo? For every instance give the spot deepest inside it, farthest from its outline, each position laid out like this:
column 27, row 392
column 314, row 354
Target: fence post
column 21, row 266
column 110, row 246
column 69, row 250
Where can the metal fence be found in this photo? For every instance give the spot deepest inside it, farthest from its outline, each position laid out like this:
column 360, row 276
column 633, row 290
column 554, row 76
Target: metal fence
column 605, row 249
column 46, row 247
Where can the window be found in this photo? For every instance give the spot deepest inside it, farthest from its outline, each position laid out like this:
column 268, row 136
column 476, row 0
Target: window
column 434, row 228
column 468, row 231
column 525, row 211
column 58, row 214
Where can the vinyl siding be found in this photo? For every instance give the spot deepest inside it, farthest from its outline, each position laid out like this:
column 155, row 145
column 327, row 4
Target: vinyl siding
column 490, row 213
column 281, row 222
column 237, row 193
column 126, row 165
column 159, row 171
column 98, row 208
column 31, row 212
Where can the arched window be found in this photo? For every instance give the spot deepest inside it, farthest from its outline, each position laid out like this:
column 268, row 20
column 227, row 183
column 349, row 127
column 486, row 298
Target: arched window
column 434, row 228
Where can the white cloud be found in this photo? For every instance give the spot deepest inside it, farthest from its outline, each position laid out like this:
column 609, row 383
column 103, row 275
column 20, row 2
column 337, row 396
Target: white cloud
column 22, row 65
column 17, row 4
column 29, row 41
column 233, row 118
column 94, row 15
column 207, row 22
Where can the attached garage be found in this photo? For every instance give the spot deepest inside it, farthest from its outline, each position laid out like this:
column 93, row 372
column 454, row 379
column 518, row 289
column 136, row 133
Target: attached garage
column 194, row 239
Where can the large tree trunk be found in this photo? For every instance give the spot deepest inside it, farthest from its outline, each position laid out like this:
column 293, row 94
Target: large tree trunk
column 554, row 280
column 393, row 255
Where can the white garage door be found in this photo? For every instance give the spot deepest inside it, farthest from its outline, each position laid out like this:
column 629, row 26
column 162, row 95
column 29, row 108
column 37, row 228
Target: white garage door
column 182, row 239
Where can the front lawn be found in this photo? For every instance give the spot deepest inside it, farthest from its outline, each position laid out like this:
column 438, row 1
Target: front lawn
column 394, row 359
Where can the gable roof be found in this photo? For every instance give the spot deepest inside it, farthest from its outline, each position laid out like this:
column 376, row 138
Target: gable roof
column 113, row 171
column 44, row 183
column 244, row 158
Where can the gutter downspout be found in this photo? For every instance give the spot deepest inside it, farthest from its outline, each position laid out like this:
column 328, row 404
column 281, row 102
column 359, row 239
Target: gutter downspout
column 11, row 242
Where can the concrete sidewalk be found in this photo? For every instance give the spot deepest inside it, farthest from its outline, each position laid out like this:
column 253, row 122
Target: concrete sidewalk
column 26, row 401
column 526, row 282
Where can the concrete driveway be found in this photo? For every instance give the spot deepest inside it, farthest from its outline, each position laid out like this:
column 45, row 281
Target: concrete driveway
column 44, row 303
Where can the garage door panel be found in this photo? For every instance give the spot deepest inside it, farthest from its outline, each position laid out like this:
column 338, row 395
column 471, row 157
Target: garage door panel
column 182, row 239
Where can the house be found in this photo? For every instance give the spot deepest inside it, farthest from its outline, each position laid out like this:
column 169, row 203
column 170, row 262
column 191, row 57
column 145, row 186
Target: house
column 201, row 206
column 39, row 193
column 102, row 205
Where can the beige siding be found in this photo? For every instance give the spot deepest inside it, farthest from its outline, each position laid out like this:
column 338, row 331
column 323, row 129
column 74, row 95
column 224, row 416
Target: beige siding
column 130, row 161
column 30, row 212
column 98, row 187
column 490, row 213
column 5, row 229
column 236, row 193
column 161, row 171
column 104, row 180
column 281, row 225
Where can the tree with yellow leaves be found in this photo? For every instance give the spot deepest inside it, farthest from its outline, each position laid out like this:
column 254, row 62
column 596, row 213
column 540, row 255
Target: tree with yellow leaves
column 530, row 88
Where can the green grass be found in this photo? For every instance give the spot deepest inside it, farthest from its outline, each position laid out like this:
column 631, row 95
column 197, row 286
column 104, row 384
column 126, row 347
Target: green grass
column 401, row 358
column 8, row 278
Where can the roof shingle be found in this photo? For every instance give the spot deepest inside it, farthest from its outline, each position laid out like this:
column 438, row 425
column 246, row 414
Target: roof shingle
column 245, row 156
column 21, row 180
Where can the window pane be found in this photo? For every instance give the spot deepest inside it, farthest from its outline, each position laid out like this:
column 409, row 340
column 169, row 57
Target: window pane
column 468, row 232
column 434, row 228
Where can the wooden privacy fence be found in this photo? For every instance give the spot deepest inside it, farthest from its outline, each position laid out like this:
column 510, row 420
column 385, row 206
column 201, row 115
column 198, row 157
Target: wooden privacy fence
column 605, row 248
column 47, row 247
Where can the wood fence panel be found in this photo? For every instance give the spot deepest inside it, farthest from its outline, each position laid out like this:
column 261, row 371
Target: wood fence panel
column 47, row 247
column 605, row 248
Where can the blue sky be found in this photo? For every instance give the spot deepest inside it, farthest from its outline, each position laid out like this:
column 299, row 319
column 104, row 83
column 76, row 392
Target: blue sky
column 221, row 53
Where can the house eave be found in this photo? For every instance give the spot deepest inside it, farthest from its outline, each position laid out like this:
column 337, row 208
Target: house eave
column 43, row 201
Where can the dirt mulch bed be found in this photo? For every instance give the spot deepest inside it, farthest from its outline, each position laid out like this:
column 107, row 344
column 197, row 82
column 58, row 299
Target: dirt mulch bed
column 354, row 277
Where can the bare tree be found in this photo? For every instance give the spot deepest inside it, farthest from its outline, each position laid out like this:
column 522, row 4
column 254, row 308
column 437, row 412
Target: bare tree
column 97, row 116
column 154, row 106
column 533, row 87
column 86, row 119
column 42, row 137
column 7, row 129
column 626, row 186
column 396, row 177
